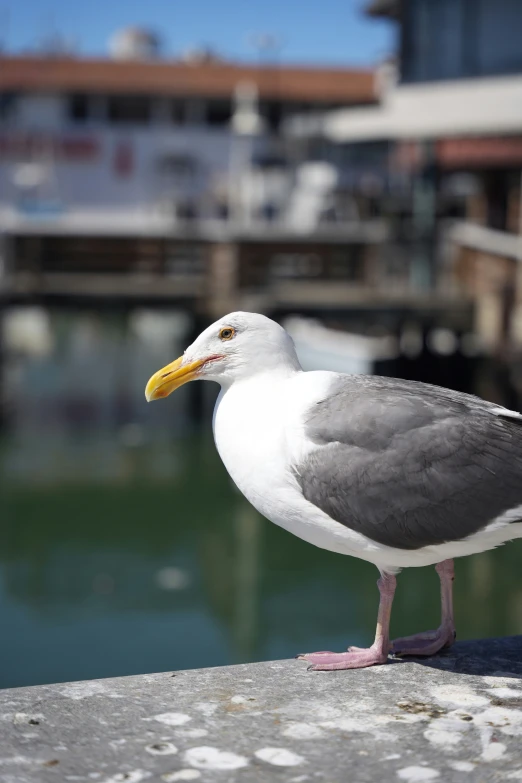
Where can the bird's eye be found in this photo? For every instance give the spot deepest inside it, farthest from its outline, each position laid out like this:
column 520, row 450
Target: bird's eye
column 227, row 333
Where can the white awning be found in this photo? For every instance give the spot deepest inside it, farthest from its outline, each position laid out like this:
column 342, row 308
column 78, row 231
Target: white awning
column 471, row 107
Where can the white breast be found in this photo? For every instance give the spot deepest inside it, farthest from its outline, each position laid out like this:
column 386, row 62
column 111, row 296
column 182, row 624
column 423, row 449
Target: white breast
column 250, row 435
column 259, row 434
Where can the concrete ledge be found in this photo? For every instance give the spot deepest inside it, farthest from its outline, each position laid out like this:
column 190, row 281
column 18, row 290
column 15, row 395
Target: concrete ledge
column 457, row 717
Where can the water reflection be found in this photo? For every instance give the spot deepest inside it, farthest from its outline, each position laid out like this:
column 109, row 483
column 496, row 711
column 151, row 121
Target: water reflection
column 124, row 547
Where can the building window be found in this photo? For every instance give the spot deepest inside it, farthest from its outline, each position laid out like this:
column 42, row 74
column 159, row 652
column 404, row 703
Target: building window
column 218, row 112
column 78, row 107
column 296, row 107
column 433, row 38
column 196, row 113
column 178, row 166
column 184, row 259
column 178, row 177
column 448, row 39
column 499, row 31
column 7, row 104
column 129, row 108
column 296, row 265
column 347, row 264
column 178, row 111
column 272, row 113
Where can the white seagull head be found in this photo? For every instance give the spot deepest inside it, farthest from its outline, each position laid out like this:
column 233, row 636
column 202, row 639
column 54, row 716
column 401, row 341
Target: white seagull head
column 238, row 346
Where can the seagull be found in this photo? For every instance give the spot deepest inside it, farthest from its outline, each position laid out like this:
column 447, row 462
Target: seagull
column 397, row 473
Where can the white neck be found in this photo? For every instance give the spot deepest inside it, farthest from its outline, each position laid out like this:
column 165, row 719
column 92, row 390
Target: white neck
column 274, row 369
column 248, row 419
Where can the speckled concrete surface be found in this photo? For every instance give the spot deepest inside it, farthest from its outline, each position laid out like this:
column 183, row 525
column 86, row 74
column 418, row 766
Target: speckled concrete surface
column 456, row 717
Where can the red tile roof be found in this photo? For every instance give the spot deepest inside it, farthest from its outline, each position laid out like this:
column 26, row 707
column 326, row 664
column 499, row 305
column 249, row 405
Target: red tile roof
column 480, row 152
column 214, row 79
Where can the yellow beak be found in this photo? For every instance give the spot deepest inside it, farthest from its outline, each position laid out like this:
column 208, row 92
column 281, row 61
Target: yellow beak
column 171, row 377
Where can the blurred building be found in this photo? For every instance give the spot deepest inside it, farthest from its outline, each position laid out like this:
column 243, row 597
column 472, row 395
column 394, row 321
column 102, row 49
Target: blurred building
column 450, row 116
column 173, row 172
column 176, row 181
column 138, row 133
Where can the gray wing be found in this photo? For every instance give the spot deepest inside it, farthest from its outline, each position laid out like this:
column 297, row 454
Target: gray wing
column 410, row 465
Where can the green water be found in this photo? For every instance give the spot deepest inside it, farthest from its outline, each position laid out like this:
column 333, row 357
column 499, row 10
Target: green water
column 141, row 575
column 124, row 548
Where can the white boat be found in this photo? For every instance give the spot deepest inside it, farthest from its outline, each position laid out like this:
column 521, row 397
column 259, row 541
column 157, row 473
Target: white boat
column 321, row 348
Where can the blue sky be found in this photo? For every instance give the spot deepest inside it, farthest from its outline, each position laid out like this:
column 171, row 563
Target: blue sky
column 317, row 31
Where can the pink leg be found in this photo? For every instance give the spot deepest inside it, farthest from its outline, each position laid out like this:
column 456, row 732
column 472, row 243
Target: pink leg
column 430, row 642
column 377, row 653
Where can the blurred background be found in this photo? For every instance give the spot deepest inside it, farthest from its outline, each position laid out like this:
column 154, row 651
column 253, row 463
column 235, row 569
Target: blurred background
column 353, row 170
